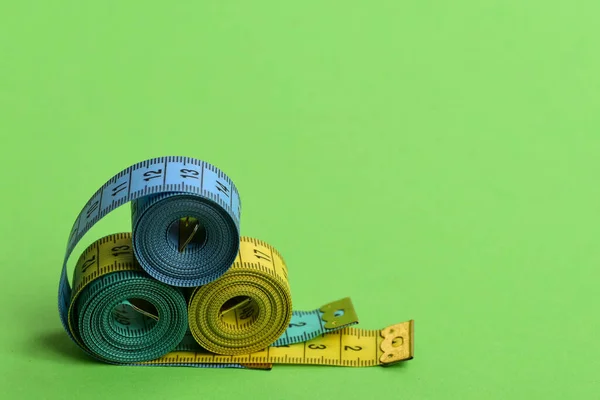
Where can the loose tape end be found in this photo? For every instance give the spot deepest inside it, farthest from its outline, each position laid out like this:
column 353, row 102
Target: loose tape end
column 398, row 343
column 339, row 313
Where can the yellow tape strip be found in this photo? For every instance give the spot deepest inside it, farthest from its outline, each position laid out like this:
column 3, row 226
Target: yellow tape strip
column 349, row 347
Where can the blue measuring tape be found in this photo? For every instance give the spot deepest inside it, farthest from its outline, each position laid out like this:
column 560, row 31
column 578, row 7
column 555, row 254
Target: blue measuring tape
column 157, row 188
column 162, row 192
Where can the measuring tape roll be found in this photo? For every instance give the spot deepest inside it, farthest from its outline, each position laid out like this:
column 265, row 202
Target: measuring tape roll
column 250, row 307
column 115, row 308
column 155, row 186
column 180, row 253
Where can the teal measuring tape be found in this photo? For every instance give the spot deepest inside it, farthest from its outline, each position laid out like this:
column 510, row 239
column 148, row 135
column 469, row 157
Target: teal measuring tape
column 113, row 329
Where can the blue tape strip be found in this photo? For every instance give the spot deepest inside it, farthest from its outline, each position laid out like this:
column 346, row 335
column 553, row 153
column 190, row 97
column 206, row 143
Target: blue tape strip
column 157, row 188
column 304, row 325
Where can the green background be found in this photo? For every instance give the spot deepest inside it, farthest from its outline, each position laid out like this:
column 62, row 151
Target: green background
column 434, row 160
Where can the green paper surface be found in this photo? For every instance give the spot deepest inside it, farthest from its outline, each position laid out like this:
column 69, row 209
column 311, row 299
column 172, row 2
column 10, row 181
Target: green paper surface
column 435, row 161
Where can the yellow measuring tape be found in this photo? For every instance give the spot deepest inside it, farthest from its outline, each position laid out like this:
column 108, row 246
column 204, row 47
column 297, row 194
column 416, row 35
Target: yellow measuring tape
column 349, row 347
column 248, row 308
column 244, row 318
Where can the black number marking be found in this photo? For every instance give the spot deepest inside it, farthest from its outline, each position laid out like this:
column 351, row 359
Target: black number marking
column 189, row 173
column 355, row 348
column 246, row 312
column 74, row 230
column 88, row 263
column 298, row 324
column 122, row 320
column 91, row 209
column 222, row 188
column 119, row 250
column 120, row 317
column 119, row 188
column 260, row 254
column 152, row 174
column 315, row 347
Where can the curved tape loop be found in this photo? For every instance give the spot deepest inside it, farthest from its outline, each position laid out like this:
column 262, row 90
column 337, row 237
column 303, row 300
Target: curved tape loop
column 160, row 189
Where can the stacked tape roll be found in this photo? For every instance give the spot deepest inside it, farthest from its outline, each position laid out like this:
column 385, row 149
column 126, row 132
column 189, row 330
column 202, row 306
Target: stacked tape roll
column 185, row 289
column 249, row 308
column 157, row 224
column 114, row 329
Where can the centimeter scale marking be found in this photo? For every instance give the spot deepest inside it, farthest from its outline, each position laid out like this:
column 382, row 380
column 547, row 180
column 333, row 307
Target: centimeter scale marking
column 347, row 347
